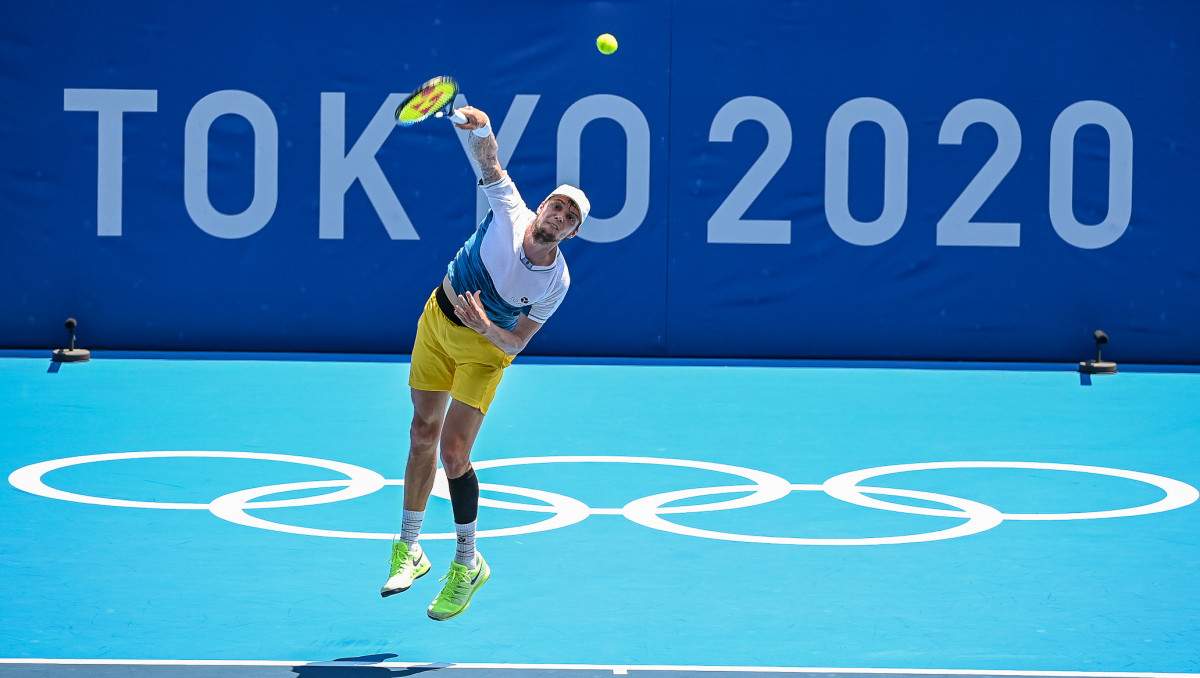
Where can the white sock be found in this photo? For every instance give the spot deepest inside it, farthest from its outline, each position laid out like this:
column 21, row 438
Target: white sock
column 464, row 552
column 410, row 527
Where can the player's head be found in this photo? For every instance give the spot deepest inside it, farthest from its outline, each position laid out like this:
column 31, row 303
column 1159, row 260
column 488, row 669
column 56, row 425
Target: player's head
column 576, row 196
column 560, row 215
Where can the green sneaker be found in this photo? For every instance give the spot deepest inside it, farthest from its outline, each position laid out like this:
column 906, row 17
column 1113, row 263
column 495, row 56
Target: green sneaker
column 406, row 569
column 461, row 584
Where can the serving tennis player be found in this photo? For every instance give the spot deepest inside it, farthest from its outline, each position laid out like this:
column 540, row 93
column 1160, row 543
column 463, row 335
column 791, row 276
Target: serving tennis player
column 501, row 287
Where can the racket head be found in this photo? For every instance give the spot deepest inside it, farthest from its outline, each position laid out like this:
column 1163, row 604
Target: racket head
column 428, row 100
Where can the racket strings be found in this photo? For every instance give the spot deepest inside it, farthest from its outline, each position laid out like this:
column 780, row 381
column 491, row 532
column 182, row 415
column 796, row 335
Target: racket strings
column 427, row 101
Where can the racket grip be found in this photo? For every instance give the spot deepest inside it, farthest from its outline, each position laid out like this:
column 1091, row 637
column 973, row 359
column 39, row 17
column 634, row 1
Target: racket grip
column 457, row 117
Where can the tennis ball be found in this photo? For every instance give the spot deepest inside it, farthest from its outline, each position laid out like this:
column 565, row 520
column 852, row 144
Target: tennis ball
column 606, row 43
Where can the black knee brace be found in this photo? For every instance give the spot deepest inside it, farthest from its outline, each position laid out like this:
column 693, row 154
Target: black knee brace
column 464, row 497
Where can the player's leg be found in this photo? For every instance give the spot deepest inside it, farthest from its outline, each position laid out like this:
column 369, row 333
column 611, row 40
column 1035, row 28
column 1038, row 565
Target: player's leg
column 431, row 375
column 429, row 413
column 458, row 438
column 476, row 380
column 469, row 571
column 475, row 383
column 408, row 561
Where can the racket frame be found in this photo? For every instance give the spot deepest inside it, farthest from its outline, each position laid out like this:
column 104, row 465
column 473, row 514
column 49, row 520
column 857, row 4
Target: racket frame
column 432, row 99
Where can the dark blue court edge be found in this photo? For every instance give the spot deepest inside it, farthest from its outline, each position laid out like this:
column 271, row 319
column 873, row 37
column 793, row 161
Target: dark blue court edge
column 100, row 354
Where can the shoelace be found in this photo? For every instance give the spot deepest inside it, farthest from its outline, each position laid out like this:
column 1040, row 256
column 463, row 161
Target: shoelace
column 397, row 560
column 457, row 587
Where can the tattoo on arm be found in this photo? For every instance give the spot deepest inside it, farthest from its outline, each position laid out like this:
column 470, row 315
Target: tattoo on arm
column 484, row 151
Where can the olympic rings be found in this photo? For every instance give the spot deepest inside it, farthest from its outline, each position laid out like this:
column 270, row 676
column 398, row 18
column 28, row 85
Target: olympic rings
column 1179, row 494
column 647, row 511
column 232, row 507
column 363, row 481
column 982, row 517
column 767, row 487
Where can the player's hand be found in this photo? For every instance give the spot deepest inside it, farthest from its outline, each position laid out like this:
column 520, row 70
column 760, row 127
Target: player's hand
column 475, row 118
column 469, row 310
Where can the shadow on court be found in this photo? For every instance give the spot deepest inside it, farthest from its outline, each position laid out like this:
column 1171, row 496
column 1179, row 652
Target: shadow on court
column 360, row 667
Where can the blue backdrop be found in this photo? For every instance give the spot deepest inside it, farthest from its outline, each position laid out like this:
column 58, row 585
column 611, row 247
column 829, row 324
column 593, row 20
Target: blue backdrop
column 813, row 179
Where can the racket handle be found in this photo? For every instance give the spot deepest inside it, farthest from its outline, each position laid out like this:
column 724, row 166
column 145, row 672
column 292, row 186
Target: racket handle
column 457, row 117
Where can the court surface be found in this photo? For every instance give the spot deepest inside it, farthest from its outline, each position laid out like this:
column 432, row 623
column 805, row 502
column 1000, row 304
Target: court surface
column 220, row 515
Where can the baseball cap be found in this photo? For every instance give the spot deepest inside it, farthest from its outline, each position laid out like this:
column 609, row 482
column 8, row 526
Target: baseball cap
column 577, row 197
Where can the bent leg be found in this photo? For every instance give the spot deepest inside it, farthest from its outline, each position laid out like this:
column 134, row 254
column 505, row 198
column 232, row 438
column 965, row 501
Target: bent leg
column 458, row 435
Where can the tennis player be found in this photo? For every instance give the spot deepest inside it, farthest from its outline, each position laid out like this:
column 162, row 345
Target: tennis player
column 504, row 283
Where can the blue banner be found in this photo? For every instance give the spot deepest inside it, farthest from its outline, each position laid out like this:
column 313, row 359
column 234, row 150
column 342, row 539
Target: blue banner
column 821, row 179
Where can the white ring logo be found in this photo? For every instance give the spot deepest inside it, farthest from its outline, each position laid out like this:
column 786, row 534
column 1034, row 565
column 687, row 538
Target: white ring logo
column 647, row 511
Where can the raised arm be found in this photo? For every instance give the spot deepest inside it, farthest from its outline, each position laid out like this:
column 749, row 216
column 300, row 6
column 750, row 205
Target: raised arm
column 483, row 149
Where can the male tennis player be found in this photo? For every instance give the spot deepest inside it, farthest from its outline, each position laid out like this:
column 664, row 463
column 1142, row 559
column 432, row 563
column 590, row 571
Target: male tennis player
column 504, row 283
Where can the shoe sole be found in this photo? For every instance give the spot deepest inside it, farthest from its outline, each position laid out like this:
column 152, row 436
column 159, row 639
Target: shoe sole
column 392, row 592
column 468, row 604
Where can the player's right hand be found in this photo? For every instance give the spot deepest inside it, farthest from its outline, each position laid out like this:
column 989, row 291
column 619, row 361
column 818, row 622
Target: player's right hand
column 475, row 118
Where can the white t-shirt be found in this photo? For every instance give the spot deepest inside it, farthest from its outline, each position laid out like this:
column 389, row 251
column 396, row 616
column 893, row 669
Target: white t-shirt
column 492, row 261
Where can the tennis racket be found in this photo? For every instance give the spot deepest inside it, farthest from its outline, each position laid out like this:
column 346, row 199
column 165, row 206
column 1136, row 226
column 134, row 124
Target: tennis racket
column 433, row 99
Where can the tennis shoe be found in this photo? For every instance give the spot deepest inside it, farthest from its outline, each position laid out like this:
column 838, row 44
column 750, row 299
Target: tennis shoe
column 461, row 584
column 406, row 568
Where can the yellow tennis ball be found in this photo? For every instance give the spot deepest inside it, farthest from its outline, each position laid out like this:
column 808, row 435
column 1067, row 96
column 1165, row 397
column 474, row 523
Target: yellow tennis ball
column 606, row 43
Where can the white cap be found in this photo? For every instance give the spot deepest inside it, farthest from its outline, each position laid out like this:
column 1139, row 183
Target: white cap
column 577, row 197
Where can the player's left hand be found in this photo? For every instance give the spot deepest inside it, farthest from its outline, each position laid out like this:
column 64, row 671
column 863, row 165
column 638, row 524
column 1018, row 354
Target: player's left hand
column 469, row 310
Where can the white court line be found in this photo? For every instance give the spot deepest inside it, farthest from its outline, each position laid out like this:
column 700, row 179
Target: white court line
column 617, row 669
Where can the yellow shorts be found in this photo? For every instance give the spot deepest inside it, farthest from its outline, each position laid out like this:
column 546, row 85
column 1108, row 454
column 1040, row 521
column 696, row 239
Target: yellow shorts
column 449, row 357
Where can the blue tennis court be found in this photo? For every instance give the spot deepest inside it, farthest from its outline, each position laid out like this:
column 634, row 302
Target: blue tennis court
column 231, row 515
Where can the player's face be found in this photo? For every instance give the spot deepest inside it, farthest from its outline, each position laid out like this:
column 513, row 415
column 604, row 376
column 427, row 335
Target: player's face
column 557, row 220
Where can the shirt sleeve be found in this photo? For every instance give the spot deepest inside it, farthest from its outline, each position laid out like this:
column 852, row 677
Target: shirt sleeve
column 541, row 311
column 503, row 195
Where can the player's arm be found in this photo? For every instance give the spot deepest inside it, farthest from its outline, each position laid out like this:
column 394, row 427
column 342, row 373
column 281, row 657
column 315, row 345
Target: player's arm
column 469, row 310
column 483, row 149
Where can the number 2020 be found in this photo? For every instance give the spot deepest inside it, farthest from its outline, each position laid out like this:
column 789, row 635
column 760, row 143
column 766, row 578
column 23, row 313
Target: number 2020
column 956, row 226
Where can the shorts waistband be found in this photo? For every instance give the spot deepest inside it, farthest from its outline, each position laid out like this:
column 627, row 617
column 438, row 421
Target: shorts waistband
column 447, row 306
